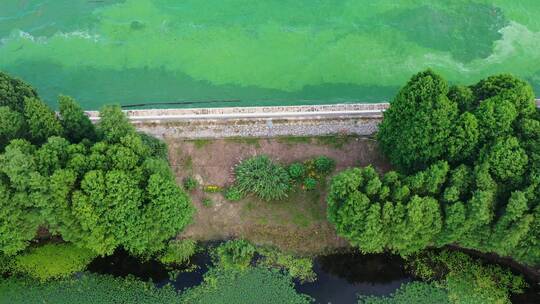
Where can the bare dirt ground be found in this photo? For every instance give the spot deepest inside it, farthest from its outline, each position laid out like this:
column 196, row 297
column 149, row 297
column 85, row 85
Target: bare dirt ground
column 297, row 224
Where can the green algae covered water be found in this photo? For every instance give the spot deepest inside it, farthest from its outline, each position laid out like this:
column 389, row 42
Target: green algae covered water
column 260, row 52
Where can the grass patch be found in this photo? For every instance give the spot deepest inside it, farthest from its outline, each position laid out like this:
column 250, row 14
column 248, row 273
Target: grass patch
column 201, row 143
column 294, row 140
column 253, row 141
column 335, row 141
column 187, row 163
column 300, row 208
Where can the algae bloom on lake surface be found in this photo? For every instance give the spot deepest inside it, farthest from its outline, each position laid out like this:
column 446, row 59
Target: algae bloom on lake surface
column 271, row 52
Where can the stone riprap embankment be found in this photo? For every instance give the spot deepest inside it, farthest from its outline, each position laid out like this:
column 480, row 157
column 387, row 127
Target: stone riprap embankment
column 313, row 120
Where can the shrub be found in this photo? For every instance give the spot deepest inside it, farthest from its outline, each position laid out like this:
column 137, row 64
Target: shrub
column 5, row 264
column 261, row 176
column 178, row 252
column 158, row 148
column 324, row 165
column 299, row 268
column 310, row 183
column 467, row 280
column 190, row 183
column 297, row 171
column 234, row 254
column 52, row 261
column 233, row 194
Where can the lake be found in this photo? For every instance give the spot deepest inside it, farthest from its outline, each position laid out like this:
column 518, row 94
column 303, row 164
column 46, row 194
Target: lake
column 271, row 52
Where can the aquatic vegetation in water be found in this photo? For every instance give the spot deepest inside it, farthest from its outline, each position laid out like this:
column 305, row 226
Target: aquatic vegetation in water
column 88, row 289
column 415, row 292
column 253, row 285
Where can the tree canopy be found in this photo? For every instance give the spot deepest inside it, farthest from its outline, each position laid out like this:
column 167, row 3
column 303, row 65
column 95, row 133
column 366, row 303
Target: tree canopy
column 98, row 188
column 468, row 172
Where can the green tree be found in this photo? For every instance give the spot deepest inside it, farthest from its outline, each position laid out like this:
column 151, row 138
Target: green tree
column 510, row 88
column 11, row 125
column 76, row 124
column 416, row 128
column 470, row 172
column 113, row 124
column 506, row 159
column 41, row 120
column 14, row 91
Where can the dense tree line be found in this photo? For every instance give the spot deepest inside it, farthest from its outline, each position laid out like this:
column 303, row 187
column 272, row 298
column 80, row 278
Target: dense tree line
column 98, row 187
column 469, row 174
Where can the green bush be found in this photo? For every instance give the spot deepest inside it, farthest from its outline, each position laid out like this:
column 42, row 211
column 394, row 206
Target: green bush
column 233, row 194
column 296, row 267
column 235, row 254
column 52, row 261
column 297, row 171
column 178, row 252
column 254, row 285
column 263, row 177
column 310, row 183
column 190, row 183
column 409, row 293
column 158, row 148
column 467, row 280
column 324, row 165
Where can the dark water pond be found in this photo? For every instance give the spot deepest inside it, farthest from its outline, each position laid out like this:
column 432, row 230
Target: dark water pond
column 340, row 277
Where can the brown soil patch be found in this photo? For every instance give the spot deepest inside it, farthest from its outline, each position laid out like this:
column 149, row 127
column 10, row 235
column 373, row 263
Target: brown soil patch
column 297, row 224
